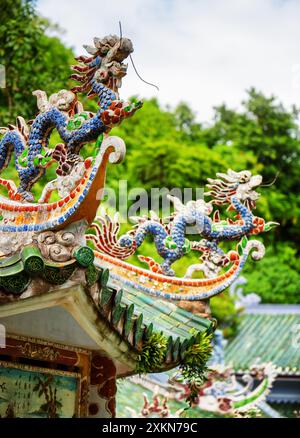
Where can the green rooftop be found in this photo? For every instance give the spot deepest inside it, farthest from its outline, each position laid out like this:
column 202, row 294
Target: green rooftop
column 268, row 334
column 166, row 316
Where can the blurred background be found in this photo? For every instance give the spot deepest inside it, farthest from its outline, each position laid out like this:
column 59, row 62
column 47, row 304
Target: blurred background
column 228, row 74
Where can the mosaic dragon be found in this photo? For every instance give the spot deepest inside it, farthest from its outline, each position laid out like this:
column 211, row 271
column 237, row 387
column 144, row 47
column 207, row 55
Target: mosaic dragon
column 234, row 189
column 100, row 75
column 79, row 185
column 221, row 393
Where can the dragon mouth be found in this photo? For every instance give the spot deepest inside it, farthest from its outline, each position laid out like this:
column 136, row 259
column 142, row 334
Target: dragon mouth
column 111, row 75
column 117, row 70
column 114, row 84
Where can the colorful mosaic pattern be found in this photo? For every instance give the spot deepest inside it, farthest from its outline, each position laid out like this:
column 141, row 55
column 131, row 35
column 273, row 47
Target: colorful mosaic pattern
column 17, row 271
column 99, row 75
column 236, row 190
column 174, row 288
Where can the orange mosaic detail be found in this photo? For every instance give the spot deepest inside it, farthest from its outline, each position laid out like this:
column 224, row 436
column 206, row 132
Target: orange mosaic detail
column 170, row 280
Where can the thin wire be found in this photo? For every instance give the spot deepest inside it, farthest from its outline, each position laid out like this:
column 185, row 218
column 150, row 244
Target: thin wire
column 138, row 75
column 143, row 80
column 121, row 35
column 272, row 182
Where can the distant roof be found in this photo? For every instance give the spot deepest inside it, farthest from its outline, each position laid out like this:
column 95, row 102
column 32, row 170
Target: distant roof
column 274, row 309
column 267, row 333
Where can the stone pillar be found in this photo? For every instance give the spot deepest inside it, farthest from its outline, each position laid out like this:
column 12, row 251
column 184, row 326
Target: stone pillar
column 103, row 387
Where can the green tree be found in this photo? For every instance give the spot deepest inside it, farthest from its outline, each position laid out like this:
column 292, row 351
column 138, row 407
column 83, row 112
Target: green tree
column 276, row 278
column 32, row 59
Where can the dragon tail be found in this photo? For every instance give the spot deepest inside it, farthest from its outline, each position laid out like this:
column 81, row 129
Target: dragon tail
column 259, row 394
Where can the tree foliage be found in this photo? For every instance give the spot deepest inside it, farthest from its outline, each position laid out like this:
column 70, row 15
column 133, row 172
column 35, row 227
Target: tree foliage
column 31, row 58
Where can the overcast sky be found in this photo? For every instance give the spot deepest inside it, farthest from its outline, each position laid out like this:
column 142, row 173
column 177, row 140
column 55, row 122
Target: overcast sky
column 204, row 52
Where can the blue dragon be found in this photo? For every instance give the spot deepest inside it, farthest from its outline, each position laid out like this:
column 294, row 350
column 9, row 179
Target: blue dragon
column 236, row 189
column 100, row 75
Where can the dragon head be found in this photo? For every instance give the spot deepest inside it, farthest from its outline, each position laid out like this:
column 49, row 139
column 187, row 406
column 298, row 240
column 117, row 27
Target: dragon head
column 105, row 65
column 242, row 185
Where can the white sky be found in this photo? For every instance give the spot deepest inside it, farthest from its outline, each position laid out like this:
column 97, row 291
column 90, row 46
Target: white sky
column 204, row 52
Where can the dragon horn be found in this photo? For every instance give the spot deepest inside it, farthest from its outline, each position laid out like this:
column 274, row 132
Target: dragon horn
column 90, row 49
column 225, row 177
column 22, row 126
column 233, row 174
column 98, row 42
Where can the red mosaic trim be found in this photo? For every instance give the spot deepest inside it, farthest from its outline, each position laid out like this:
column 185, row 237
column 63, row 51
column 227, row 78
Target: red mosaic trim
column 43, row 207
column 234, row 257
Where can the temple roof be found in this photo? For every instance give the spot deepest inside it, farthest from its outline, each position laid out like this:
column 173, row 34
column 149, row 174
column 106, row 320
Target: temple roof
column 118, row 321
column 270, row 333
column 166, row 316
